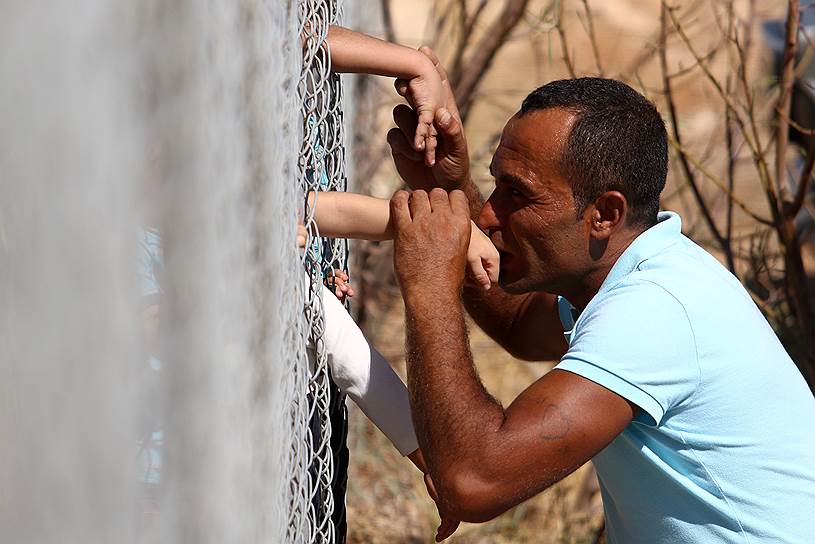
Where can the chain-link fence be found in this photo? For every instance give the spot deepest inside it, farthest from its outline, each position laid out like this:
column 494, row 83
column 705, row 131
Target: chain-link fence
column 318, row 456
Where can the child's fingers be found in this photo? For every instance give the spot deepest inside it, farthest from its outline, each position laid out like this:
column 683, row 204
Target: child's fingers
column 430, row 144
column 302, row 236
column 480, row 275
column 493, row 270
column 492, row 264
column 422, row 130
column 400, row 145
column 425, row 126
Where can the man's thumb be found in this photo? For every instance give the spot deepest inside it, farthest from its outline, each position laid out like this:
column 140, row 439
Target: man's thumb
column 447, row 123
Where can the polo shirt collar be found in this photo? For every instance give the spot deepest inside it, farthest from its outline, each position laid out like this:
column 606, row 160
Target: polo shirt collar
column 665, row 233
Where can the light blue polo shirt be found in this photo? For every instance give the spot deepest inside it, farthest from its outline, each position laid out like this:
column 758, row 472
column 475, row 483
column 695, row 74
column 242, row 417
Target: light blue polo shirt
column 723, row 448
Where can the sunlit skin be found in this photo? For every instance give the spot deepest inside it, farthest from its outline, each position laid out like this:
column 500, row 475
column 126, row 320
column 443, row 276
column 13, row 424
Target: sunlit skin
column 485, row 458
column 546, row 242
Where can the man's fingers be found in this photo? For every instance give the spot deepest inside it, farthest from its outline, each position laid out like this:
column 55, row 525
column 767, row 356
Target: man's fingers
column 401, row 86
column 400, row 210
column 448, row 124
column 439, row 200
column 419, row 204
column 446, row 528
column 459, row 203
column 431, row 487
column 400, row 145
column 406, row 119
column 451, row 105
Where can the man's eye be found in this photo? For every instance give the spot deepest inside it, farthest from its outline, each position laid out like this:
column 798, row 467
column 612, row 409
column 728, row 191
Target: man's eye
column 515, row 193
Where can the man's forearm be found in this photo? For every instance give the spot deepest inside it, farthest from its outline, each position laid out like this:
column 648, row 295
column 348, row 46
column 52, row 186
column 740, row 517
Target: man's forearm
column 527, row 325
column 451, row 408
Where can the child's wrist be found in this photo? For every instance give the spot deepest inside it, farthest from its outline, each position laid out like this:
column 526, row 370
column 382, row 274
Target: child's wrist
column 423, row 66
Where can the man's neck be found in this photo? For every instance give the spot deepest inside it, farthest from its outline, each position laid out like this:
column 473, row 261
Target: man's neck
column 590, row 283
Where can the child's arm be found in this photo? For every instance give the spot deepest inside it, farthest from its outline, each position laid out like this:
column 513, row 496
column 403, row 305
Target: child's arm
column 350, row 215
column 358, row 53
column 365, row 376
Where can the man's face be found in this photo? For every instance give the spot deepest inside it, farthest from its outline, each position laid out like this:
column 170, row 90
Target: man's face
column 531, row 215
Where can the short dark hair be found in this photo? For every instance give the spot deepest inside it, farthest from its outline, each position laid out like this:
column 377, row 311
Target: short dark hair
column 617, row 143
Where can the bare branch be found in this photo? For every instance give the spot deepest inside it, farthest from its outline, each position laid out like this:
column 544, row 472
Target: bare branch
column 785, row 99
column 593, row 38
column 387, row 22
column 484, row 53
column 718, row 183
column 564, row 44
column 677, row 138
column 804, row 182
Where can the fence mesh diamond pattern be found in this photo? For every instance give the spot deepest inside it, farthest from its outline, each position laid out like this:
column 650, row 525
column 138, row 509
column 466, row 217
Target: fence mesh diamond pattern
column 318, row 457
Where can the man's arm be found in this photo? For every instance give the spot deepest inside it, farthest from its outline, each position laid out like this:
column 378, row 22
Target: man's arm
column 527, row 326
column 483, row 459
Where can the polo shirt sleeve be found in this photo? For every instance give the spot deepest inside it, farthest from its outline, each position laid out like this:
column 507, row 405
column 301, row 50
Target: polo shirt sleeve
column 637, row 341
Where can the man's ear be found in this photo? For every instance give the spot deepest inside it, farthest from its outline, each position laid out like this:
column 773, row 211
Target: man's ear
column 608, row 212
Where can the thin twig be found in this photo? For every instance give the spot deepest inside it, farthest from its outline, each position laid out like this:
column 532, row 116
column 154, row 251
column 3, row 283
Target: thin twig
column 593, row 38
column 804, row 182
column 564, row 44
column 387, row 22
column 755, row 144
column 484, row 53
column 677, row 138
column 785, row 99
column 718, row 183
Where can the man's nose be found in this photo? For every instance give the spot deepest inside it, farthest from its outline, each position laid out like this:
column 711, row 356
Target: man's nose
column 488, row 219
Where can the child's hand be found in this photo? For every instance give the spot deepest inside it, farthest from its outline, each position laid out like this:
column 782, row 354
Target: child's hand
column 338, row 283
column 426, row 94
column 302, row 235
column 482, row 258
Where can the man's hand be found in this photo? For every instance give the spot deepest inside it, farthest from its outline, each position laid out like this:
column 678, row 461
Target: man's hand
column 447, row 525
column 452, row 163
column 432, row 237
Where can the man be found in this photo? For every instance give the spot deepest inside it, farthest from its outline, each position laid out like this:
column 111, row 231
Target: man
column 670, row 380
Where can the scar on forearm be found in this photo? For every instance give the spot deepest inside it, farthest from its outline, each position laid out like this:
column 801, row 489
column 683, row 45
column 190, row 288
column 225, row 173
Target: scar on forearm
column 555, row 423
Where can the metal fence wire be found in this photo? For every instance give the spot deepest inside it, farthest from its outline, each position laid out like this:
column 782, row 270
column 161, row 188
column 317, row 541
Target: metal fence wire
column 318, row 457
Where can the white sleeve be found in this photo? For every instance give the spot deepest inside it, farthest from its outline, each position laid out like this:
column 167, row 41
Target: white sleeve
column 365, row 376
